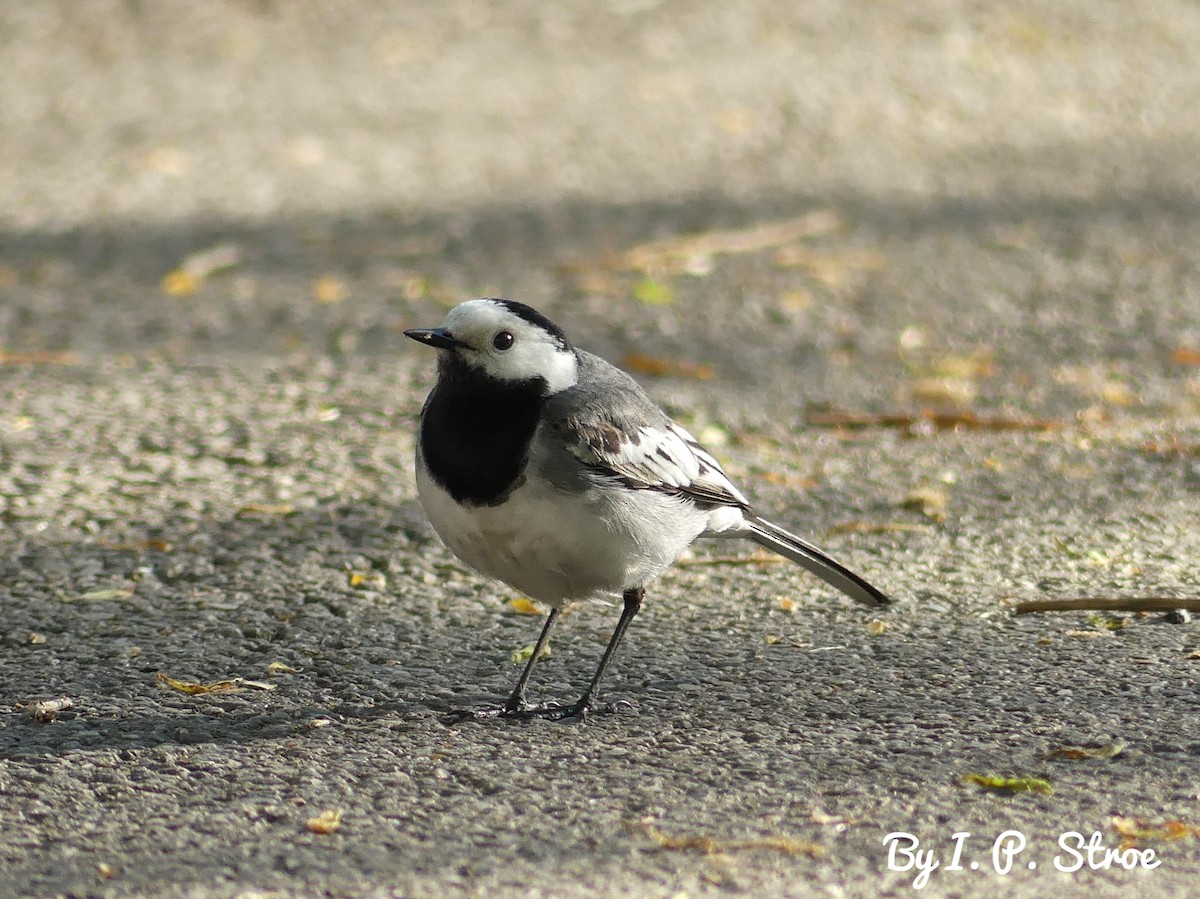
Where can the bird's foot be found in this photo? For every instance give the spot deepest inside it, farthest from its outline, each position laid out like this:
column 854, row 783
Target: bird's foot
column 547, row 711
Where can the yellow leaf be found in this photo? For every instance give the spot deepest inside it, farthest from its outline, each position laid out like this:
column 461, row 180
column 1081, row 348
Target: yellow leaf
column 1010, row 784
column 523, row 606
column 192, row 688
column 368, row 579
column 328, row 289
column 179, row 283
column 654, row 293
column 525, row 653
column 787, row 604
column 329, row 821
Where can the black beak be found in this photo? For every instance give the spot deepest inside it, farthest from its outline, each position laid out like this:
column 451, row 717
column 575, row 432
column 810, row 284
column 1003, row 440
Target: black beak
column 439, row 338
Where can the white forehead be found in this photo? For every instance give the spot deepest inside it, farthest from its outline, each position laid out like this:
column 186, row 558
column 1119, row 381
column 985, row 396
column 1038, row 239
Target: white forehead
column 535, row 352
column 478, row 317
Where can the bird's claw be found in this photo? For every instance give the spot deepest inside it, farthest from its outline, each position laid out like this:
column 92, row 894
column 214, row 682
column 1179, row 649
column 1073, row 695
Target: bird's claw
column 547, row 711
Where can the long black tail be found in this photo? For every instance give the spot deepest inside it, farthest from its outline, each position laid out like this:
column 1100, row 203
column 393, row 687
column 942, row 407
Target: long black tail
column 776, row 539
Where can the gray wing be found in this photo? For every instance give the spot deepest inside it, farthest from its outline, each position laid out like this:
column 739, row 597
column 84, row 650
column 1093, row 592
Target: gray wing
column 607, row 423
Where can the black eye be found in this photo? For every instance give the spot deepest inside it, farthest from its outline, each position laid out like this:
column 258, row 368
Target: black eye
column 502, row 341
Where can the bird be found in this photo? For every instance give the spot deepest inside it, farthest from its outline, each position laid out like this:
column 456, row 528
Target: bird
column 550, row 469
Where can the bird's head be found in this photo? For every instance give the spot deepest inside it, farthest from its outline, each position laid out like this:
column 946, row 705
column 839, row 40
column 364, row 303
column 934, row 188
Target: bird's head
column 504, row 341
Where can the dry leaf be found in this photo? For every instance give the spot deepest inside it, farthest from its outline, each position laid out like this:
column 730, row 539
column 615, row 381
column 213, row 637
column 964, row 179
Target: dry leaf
column 931, row 502
column 196, row 268
column 1010, row 784
column 876, row 627
column 267, row 509
column 1075, row 753
column 1173, row 446
column 796, row 301
column 178, row 283
column 659, row 367
column 841, row 822
column 675, row 255
column 192, row 688
column 524, row 606
column 1185, row 355
column 1108, row 622
column 599, row 282
column 161, row 546
column 1133, row 830
column 979, row 364
column 1117, row 393
column 925, row 419
column 328, row 290
column 39, row 357
column 329, row 821
column 654, row 293
column 47, row 710
column 525, row 653
column 208, row 262
column 832, row 270
column 803, row 482
column 368, row 579
column 787, row 604
column 879, row 527
column 953, row 391
column 103, row 595
column 281, row 668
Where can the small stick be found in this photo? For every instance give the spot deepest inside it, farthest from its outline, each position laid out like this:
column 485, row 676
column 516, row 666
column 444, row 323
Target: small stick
column 1108, row 604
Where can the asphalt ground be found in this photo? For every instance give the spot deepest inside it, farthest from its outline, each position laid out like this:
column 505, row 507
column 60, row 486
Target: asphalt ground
column 215, row 222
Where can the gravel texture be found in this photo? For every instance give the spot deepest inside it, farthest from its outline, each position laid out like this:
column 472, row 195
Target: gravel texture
column 205, row 462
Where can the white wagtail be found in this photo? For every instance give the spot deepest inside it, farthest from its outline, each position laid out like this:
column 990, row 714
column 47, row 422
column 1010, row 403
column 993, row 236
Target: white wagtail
column 548, row 468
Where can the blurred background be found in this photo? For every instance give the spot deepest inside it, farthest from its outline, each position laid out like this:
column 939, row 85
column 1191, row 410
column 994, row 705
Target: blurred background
column 925, row 275
column 981, row 178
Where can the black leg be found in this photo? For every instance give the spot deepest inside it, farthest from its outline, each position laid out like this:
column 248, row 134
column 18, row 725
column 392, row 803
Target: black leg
column 516, row 703
column 518, row 707
column 633, row 603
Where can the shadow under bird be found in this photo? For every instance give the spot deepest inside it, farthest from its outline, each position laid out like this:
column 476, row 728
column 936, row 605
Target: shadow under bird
column 550, row 469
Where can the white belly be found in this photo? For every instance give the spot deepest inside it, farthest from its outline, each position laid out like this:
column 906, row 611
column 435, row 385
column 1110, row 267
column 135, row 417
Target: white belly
column 557, row 547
